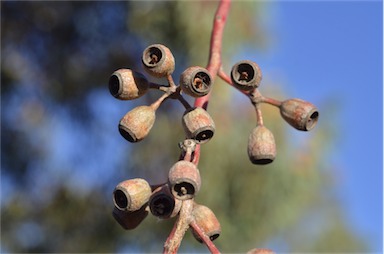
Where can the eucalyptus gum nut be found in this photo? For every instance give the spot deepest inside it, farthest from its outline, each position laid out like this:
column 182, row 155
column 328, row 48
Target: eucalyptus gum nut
column 246, row 75
column 261, row 146
column 207, row 221
column 158, row 60
column 300, row 114
column 184, row 180
column 125, row 84
column 198, row 125
column 195, row 81
column 131, row 195
column 163, row 204
column 137, row 123
column 130, row 220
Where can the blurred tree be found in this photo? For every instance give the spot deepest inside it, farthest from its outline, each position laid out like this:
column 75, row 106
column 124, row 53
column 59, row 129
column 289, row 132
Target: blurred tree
column 62, row 154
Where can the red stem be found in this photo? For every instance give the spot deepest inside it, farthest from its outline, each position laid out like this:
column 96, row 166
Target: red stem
column 214, row 63
column 211, row 246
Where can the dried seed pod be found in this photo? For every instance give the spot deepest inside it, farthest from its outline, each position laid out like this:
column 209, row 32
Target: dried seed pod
column 163, row 204
column 300, row 114
column 196, row 81
column 130, row 195
column 261, row 146
column 184, row 180
column 198, row 125
column 207, row 221
column 246, row 75
column 125, row 84
column 158, row 60
column 130, row 220
column 137, row 123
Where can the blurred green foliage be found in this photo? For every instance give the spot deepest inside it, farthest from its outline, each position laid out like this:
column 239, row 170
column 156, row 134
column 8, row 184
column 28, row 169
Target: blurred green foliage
column 62, row 154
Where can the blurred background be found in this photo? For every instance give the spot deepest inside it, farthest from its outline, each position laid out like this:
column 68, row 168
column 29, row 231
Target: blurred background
column 62, row 155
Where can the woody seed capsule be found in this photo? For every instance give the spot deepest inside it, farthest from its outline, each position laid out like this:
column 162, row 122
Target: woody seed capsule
column 137, row 123
column 184, row 180
column 300, row 114
column 163, row 204
column 246, row 75
column 198, row 125
column 125, row 84
column 130, row 195
column 158, row 60
column 196, row 81
column 207, row 221
column 261, row 146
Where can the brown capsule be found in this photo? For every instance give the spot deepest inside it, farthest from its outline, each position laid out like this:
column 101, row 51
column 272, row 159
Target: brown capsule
column 130, row 195
column 198, row 125
column 130, row 220
column 184, row 180
column 196, row 81
column 207, row 221
column 125, row 84
column 163, row 204
column 137, row 123
column 300, row 114
column 158, row 60
column 261, row 146
column 246, row 75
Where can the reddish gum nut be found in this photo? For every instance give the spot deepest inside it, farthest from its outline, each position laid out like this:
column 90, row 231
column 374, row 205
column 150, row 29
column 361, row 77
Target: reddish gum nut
column 125, row 84
column 196, row 81
column 246, row 75
column 163, row 204
column 300, row 114
column 158, row 60
column 207, row 221
column 130, row 220
column 130, row 195
column 184, row 180
column 137, row 123
column 260, row 251
column 198, row 125
column 261, row 146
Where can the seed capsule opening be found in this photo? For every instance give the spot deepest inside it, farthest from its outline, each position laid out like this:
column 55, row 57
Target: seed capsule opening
column 204, row 136
column 114, row 86
column 153, row 56
column 127, row 134
column 312, row 120
column 245, row 73
column 201, row 82
column 120, row 199
column 162, row 206
column 184, row 189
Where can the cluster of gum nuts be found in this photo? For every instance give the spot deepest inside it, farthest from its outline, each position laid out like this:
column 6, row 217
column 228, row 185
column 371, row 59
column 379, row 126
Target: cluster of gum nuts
column 135, row 198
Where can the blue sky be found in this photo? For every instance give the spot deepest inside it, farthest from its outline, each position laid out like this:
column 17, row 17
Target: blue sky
column 333, row 51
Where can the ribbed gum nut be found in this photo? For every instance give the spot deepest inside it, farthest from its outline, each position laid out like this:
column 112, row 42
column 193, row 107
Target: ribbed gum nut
column 130, row 195
column 184, row 180
column 246, row 75
column 137, row 123
column 163, row 204
column 125, row 84
column 207, row 221
column 198, row 125
column 130, row 220
column 300, row 114
column 261, row 146
column 260, row 251
column 196, row 81
column 158, row 60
